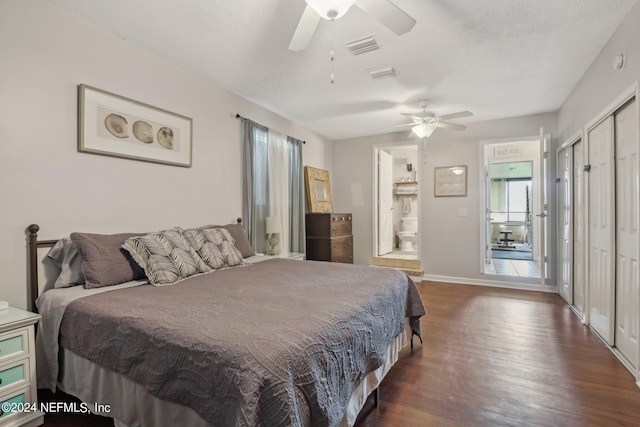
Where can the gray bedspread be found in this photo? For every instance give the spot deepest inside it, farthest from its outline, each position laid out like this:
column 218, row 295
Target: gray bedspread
column 277, row 343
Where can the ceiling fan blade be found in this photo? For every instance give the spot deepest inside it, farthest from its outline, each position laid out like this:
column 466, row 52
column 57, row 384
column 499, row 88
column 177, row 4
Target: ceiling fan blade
column 420, row 116
column 456, row 115
column 389, row 15
column 414, row 117
column 305, row 29
column 452, row 126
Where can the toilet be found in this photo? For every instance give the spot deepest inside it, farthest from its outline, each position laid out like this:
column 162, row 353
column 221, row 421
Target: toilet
column 408, row 233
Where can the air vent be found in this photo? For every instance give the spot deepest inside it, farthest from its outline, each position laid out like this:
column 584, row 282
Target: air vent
column 379, row 73
column 363, row 45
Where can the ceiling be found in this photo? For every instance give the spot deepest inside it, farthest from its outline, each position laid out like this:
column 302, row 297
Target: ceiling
column 497, row 58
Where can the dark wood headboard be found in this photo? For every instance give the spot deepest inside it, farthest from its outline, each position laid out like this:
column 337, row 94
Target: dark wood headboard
column 33, row 245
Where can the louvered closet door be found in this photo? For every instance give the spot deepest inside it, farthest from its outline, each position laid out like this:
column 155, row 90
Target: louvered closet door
column 579, row 227
column 627, row 239
column 601, row 230
column 565, row 239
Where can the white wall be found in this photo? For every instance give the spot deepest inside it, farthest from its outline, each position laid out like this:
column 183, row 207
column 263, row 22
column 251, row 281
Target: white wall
column 602, row 84
column 449, row 244
column 44, row 55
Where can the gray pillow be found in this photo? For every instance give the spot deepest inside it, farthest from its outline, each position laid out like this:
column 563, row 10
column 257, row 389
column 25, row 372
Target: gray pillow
column 215, row 247
column 239, row 236
column 65, row 256
column 104, row 262
column 165, row 256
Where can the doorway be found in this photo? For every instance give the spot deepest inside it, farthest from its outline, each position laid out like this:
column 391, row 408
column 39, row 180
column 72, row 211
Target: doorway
column 397, row 208
column 514, row 208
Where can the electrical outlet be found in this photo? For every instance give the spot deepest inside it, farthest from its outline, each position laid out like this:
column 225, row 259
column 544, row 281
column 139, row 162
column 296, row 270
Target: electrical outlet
column 462, row 211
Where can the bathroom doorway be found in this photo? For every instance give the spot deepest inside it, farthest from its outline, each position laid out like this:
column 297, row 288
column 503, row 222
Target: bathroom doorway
column 397, row 208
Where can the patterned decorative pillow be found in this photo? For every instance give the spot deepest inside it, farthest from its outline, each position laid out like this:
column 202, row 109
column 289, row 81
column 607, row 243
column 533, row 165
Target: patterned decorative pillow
column 165, row 256
column 215, row 246
column 239, row 237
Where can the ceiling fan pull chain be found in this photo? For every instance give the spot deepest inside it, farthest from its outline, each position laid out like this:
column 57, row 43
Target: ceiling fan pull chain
column 333, row 76
column 333, row 55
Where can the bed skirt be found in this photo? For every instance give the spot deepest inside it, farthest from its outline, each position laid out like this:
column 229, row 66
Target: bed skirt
column 130, row 405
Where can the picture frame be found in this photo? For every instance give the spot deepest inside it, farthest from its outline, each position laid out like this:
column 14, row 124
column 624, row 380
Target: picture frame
column 113, row 125
column 450, row 181
column 318, row 190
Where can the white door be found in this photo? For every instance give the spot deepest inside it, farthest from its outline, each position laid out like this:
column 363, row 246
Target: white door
column 385, row 202
column 601, row 230
column 543, row 215
column 627, row 239
column 579, row 228
column 565, row 222
column 487, row 215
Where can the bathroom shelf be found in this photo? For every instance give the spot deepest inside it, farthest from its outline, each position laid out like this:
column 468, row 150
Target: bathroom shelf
column 402, row 193
column 406, row 183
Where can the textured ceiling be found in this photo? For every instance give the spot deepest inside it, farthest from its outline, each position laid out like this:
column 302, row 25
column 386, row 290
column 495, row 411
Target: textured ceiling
column 497, row 58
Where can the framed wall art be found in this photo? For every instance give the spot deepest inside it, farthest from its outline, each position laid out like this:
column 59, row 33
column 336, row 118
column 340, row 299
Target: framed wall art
column 113, row 125
column 450, row 181
column 318, row 190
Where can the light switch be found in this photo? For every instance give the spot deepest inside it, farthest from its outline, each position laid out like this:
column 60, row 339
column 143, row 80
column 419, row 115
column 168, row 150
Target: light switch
column 462, row 211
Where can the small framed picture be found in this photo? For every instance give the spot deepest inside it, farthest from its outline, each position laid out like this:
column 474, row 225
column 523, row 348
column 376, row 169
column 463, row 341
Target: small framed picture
column 450, row 181
column 113, row 125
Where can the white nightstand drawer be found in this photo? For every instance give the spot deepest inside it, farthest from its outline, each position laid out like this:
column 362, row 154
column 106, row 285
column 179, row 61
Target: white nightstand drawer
column 17, row 400
column 14, row 375
column 14, row 344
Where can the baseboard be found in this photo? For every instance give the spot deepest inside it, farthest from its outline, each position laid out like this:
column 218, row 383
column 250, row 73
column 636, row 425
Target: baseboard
column 491, row 283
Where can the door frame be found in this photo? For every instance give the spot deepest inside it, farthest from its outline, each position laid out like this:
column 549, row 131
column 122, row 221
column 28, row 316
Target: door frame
column 568, row 144
column 374, row 189
column 537, row 165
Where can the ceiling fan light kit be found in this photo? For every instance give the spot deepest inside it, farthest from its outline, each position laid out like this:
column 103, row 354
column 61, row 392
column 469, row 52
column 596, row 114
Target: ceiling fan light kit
column 385, row 12
column 423, row 130
column 331, row 9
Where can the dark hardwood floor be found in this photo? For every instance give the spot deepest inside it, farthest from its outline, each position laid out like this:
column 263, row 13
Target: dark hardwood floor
column 494, row 357
column 497, row 357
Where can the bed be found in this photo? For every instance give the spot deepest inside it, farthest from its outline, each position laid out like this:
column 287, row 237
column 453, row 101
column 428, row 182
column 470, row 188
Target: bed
column 279, row 342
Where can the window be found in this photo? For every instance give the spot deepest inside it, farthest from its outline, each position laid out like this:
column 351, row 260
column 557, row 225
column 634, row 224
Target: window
column 510, row 200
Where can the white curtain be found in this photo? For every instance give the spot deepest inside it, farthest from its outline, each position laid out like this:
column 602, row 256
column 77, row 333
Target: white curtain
column 279, row 184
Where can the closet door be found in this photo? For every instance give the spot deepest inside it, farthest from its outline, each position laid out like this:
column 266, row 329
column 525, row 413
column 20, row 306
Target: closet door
column 627, row 238
column 601, row 230
column 579, row 227
column 565, row 214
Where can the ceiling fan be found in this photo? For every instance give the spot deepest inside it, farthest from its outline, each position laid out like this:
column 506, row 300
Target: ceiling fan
column 384, row 11
column 426, row 122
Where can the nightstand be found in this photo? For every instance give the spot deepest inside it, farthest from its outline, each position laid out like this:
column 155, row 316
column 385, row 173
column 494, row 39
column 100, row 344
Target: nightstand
column 18, row 368
column 282, row 255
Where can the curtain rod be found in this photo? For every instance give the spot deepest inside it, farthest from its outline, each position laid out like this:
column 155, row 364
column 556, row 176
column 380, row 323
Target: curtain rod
column 239, row 117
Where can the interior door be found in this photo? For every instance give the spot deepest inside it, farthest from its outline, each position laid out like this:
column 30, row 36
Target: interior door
column 385, row 202
column 565, row 222
column 627, row 289
column 579, row 227
column 487, row 215
column 542, row 216
column 601, row 230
